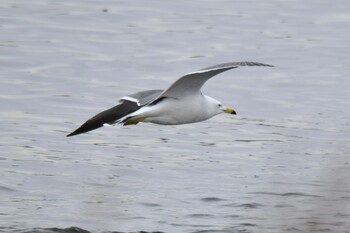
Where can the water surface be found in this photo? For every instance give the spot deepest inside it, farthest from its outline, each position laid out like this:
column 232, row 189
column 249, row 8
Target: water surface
column 281, row 165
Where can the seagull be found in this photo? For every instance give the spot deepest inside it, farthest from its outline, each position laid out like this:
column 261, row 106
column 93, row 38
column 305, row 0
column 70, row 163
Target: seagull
column 181, row 103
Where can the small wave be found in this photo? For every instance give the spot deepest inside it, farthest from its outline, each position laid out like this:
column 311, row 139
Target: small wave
column 71, row 230
column 287, row 194
column 250, row 205
column 211, row 199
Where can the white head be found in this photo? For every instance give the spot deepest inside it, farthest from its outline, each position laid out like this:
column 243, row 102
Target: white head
column 215, row 107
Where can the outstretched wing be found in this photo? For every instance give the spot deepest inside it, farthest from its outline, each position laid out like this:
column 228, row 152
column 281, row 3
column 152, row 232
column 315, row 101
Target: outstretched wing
column 127, row 105
column 193, row 82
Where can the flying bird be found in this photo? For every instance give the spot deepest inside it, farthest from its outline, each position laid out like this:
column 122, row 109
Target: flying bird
column 181, row 103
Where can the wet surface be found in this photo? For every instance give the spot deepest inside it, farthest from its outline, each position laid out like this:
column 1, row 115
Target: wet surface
column 280, row 165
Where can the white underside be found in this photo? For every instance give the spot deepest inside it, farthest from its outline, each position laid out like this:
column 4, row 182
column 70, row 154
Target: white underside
column 172, row 111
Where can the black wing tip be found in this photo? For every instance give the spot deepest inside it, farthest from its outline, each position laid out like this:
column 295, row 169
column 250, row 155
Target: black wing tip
column 109, row 116
column 71, row 134
column 231, row 65
column 249, row 63
column 76, row 132
column 86, row 127
column 259, row 64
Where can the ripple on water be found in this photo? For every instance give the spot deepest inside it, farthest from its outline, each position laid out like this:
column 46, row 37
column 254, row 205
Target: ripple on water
column 211, row 199
column 289, row 194
column 66, row 230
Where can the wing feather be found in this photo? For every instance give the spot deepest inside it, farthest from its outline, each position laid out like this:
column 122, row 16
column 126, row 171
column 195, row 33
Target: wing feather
column 127, row 105
column 193, row 82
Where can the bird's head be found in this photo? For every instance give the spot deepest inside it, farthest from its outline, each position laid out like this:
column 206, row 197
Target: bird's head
column 218, row 107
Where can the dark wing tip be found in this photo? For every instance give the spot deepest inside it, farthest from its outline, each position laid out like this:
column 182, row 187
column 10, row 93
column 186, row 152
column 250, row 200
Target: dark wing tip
column 73, row 133
column 86, row 127
column 249, row 63
column 96, row 122
column 108, row 116
column 231, row 65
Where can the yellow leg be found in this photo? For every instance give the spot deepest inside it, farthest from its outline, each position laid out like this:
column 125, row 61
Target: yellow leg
column 134, row 121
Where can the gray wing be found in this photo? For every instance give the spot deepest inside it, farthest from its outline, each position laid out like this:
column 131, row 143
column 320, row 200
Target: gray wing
column 193, row 82
column 143, row 97
column 127, row 105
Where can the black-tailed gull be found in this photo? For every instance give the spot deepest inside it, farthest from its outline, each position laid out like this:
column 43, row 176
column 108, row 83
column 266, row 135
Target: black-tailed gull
column 181, row 103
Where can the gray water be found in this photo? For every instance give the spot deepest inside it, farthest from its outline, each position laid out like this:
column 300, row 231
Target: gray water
column 280, row 165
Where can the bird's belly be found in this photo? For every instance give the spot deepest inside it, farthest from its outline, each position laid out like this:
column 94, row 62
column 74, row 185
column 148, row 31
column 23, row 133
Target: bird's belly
column 175, row 113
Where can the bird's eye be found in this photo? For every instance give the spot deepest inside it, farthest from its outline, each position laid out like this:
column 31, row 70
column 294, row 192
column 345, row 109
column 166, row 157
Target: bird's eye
column 219, row 105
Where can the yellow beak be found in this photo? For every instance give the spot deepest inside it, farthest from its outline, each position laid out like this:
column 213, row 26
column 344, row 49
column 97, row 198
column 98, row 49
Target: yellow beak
column 230, row 111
